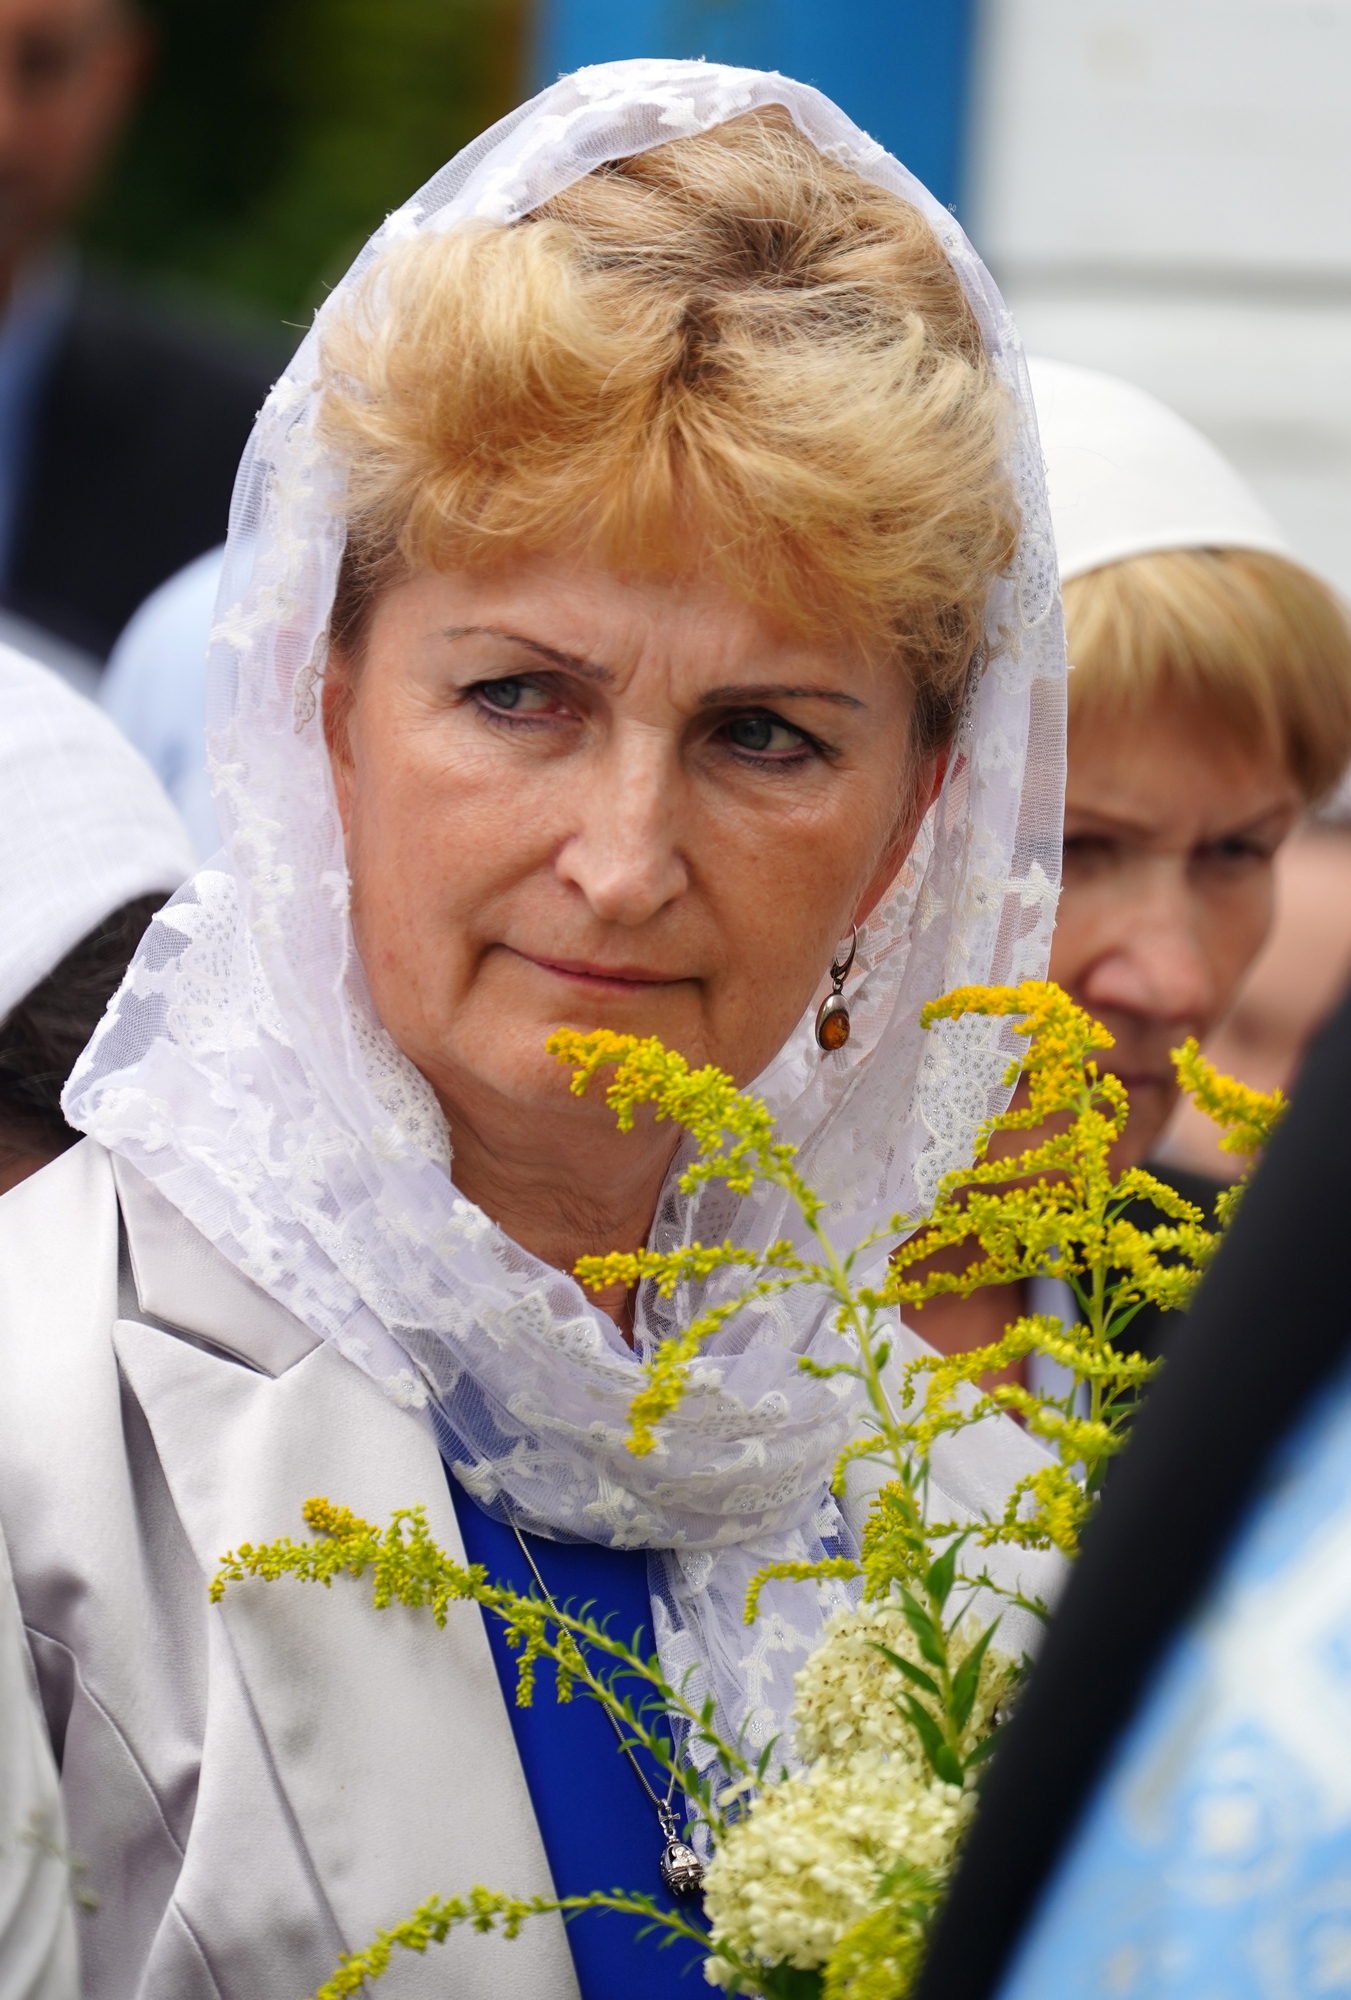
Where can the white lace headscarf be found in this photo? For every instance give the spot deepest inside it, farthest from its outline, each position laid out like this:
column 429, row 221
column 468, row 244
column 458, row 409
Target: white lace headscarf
column 243, row 1069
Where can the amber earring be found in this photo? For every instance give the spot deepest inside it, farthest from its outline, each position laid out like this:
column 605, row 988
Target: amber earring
column 832, row 1016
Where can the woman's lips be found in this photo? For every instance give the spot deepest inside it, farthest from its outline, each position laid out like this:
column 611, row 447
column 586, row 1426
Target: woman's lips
column 601, row 978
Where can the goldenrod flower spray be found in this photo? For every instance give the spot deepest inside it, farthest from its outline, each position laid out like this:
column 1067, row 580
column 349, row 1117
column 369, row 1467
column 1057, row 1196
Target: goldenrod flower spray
column 825, row 1877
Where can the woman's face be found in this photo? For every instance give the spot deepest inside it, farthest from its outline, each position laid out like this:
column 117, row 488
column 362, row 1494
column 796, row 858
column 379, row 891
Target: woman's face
column 1170, row 834
column 574, row 797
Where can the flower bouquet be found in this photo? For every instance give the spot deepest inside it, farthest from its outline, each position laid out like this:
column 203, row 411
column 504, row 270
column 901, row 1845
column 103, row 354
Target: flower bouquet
column 821, row 1863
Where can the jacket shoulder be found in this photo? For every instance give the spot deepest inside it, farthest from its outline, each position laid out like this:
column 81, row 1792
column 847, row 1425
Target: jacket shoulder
column 77, row 1180
column 58, row 1258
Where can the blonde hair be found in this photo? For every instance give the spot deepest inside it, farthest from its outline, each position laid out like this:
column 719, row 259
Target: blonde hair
column 1251, row 643
column 728, row 349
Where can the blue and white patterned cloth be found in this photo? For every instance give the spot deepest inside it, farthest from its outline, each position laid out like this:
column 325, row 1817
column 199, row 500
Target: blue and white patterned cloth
column 1214, row 1861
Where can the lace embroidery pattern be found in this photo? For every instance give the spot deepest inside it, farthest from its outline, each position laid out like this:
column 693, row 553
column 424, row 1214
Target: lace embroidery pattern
column 243, row 1069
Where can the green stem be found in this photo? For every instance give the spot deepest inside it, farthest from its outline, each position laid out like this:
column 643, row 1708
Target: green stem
column 869, row 1373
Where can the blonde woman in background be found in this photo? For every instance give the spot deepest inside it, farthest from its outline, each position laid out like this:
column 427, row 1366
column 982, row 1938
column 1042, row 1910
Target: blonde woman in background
column 1209, row 711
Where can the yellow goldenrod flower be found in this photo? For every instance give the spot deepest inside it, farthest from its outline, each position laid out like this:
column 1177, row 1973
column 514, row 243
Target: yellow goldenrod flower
column 837, row 1869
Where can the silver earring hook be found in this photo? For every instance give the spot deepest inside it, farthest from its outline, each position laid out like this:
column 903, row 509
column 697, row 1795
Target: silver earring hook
column 839, row 973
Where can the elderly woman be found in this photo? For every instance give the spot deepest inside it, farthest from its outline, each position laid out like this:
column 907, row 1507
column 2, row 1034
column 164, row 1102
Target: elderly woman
column 639, row 603
column 1210, row 707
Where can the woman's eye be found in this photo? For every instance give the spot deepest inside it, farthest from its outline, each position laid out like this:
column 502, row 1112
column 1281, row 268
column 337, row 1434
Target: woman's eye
column 1240, row 848
column 514, row 697
column 1088, row 850
column 765, row 736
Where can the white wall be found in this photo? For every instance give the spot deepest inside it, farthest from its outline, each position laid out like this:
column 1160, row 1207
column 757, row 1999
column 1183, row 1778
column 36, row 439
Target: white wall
column 1164, row 190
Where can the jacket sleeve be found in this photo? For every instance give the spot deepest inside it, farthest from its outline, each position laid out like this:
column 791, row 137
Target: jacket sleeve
column 38, row 1958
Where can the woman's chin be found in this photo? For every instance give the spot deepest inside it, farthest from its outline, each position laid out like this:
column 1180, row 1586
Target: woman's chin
column 505, row 1057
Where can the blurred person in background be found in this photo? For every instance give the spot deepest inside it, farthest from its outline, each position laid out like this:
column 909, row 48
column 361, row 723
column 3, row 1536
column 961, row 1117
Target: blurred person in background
column 120, row 432
column 85, row 833
column 1209, row 709
column 90, row 848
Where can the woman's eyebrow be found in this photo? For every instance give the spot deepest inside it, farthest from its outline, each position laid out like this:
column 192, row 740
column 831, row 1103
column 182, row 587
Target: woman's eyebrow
column 1089, row 821
column 571, row 662
column 779, row 691
column 1259, row 823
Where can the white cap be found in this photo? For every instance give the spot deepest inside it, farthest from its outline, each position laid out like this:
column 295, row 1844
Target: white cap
column 85, row 824
column 1129, row 477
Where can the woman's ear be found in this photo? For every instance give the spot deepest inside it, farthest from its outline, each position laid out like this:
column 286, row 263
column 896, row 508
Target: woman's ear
column 339, row 706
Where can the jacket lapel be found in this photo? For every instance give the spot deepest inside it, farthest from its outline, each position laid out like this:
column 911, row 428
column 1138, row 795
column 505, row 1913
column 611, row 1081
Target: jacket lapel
column 389, row 1738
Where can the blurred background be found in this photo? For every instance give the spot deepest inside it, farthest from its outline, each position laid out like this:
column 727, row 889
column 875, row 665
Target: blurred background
column 274, row 134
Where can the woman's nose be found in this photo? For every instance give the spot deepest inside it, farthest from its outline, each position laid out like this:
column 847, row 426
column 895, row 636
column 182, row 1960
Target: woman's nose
column 1156, row 963
column 625, row 855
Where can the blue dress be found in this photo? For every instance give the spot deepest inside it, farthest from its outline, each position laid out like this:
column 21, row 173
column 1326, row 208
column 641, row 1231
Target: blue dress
column 1214, row 1862
column 599, row 1827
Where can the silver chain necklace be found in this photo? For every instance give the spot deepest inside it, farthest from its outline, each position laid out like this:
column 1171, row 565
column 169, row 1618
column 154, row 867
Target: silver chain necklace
column 682, row 1871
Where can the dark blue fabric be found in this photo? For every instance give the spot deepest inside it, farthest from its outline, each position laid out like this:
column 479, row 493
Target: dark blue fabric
column 599, row 1827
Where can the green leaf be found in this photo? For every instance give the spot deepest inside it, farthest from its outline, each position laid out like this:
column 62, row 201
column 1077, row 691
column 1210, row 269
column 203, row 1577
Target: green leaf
column 909, row 1669
column 789, row 1982
column 967, row 1679
column 943, row 1573
column 939, row 1754
column 925, row 1631
column 986, row 1747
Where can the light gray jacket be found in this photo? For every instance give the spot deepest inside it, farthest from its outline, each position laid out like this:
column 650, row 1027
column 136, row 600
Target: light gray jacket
column 38, row 1958
column 257, row 1786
